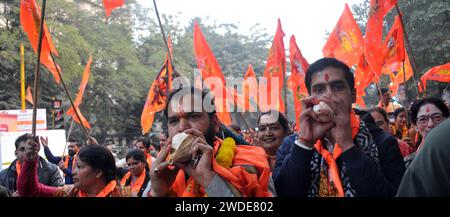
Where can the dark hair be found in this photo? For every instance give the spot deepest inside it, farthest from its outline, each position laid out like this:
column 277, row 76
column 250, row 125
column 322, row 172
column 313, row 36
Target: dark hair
column 23, row 138
column 282, row 120
column 99, row 158
column 192, row 90
column 431, row 100
column 327, row 62
column 398, row 111
column 381, row 111
column 145, row 141
column 382, row 91
column 76, row 142
column 136, row 154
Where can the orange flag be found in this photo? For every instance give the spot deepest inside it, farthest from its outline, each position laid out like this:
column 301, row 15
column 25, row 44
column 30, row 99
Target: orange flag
column 394, row 48
column 157, row 95
column 396, row 70
column 77, row 103
column 296, row 81
column 438, row 73
column 30, row 18
column 110, row 5
column 374, row 33
column 345, row 42
column 275, row 68
column 29, row 96
column 250, row 87
column 210, row 68
column 363, row 78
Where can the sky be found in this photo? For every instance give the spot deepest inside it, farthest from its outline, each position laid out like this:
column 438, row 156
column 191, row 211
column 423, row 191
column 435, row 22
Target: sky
column 308, row 20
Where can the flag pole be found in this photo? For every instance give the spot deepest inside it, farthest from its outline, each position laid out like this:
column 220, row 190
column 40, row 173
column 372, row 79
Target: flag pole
column 410, row 50
column 165, row 40
column 70, row 97
column 22, row 77
column 38, row 71
column 68, row 135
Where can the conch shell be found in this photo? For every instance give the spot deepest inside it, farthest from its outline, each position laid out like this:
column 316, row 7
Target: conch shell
column 324, row 112
column 181, row 145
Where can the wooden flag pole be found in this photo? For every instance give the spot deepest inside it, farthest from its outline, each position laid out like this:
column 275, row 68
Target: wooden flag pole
column 67, row 138
column 70, row 97
column 22, row 77
column 165, row 40
column 37, row 75
column 413, row 62
column 285, row 89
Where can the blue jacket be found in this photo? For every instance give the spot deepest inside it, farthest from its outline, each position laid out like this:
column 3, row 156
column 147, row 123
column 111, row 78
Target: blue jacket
column 68, row 178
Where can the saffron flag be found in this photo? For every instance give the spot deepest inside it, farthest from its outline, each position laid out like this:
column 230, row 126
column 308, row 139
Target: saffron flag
column 250, row 87
column 30, row 19
column 345, row 41
column 77, row 103
column 394, row 48
column 275, row 69
column 29, row 96
column 110, row 5
column 374, row 34
column 210, row 68
column 438, row 73
column 364, row 76
column 157, row 95
column 296, row 81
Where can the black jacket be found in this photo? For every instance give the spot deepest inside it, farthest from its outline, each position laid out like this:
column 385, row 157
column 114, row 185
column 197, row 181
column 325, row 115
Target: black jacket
column 292, row 169
column 48, row 174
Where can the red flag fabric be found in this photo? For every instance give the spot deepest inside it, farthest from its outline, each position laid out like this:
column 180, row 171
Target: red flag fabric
column 78, row 100
column 275, row 69
column 296, row 81
column 210, row 68
column 374, row 33
column 394, row 48
column 110, row 5
column 157, row 95
column 30, row 18
column 363, row 78
column 396, row 70
column 250, row 87
column 438, row 73
column 345, row 41
column 29, row 96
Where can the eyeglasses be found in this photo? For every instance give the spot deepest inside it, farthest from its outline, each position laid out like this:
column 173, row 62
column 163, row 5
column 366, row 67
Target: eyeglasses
column 436, row 117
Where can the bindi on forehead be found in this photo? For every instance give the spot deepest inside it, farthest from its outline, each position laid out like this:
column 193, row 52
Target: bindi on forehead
column 427, row 108
column 326, row 77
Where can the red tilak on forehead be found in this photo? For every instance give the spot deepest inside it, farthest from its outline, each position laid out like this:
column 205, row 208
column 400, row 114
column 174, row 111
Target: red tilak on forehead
column 427, row 109
column 327, row 77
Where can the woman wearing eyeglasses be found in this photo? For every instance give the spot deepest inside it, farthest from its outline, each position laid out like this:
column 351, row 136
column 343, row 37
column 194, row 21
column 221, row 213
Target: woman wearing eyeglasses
column 426, row 114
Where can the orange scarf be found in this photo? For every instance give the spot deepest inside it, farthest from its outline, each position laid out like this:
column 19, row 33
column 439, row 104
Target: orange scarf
column 137, row 185
column 66, row 162
column 18, row 168
column 249, row 185
column 330, row 158
column 103, row 193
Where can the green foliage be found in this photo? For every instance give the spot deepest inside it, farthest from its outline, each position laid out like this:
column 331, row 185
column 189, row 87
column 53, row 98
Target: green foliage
column 127, row 51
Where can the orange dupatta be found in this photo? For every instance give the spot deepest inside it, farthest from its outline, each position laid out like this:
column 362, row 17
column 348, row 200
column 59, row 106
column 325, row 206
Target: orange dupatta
column 137, row 185
column 331, row 157
column 18, row 168
column 247, row 183
column 103, row 193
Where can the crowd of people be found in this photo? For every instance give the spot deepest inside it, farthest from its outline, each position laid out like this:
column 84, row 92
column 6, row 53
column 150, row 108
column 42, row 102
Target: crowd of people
column 384, row 151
